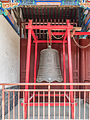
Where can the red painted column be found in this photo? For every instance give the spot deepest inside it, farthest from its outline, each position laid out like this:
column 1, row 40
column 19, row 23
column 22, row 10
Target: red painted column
column 64, row 65
column 35, row 66
column 27, row 69
column 70, row 69
column 35, row 63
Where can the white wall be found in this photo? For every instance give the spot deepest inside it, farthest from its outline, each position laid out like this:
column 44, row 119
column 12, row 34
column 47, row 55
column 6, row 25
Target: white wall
column 9, row 53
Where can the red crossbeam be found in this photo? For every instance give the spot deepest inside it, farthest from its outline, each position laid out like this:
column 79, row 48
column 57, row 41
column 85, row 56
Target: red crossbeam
column 50, row 95
column 82, row 33
column 76, row 33
column 51, row 104
column 46, row 27
column 54, row 41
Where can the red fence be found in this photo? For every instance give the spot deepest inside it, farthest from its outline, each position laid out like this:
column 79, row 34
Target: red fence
column 47, row 103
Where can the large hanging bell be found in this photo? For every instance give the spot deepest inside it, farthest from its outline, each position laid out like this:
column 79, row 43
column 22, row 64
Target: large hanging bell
column 49, row 67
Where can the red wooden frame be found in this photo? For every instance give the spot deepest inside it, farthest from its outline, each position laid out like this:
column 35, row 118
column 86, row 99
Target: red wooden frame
column 67, row 35
column 88, row 0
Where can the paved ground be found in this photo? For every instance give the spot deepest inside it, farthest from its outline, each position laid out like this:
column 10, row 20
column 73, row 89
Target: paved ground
column 52, row 112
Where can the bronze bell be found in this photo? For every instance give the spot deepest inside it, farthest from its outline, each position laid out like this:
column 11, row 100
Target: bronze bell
column 49, row 67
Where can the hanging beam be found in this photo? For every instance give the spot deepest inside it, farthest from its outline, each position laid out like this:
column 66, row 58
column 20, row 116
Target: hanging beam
column 49, row 33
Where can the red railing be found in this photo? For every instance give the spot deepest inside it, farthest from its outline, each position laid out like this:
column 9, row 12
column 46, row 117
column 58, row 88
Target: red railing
column 51, row 102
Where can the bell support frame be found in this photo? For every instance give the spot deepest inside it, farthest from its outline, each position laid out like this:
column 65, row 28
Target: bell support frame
column 67, row 35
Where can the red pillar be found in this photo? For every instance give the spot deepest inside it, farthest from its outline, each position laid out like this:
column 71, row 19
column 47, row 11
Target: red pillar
column 35, row 63
column 64, row 65
column 70, row 69
column 27, row 69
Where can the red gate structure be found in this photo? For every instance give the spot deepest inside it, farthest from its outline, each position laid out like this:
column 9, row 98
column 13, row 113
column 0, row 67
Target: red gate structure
column 66, row 40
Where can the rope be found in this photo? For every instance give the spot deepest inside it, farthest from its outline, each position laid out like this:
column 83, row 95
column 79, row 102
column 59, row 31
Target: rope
column 51, row 38
column 80, row 46
column 57, row 37
column 54, row 37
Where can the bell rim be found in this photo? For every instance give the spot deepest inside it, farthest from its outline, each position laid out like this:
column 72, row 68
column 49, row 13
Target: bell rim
column 40, row 81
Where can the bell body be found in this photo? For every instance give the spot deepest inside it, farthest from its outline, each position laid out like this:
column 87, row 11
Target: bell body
column 49, row 67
